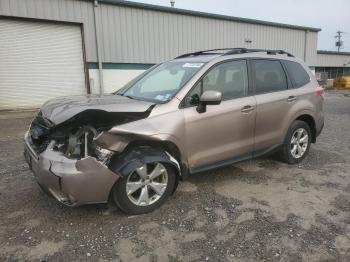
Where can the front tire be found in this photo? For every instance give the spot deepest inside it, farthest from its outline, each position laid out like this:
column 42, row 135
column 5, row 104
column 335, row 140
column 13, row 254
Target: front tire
column 297, row 142
column 145, row 189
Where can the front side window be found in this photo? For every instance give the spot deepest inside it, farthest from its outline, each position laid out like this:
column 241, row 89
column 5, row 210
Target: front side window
column 268, row 76
column 162, row 82
column 229, row 78
column 297, row 73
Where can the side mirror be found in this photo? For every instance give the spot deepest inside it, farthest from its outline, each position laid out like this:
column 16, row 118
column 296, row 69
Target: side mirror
column 209, row 97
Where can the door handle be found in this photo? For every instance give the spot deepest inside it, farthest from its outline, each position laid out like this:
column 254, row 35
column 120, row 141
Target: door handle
column 247, row 109
column 291, row 98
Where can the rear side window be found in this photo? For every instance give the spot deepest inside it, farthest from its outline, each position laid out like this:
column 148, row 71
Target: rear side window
column 269, row 76
column 297, row 73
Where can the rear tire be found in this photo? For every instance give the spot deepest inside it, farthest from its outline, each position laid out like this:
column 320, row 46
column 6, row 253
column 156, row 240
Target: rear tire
column 297, row 142
column 136, row 193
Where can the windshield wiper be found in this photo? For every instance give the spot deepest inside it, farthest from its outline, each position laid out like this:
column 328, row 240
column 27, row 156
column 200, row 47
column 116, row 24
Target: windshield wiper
column 131, row 97
column 120, row 94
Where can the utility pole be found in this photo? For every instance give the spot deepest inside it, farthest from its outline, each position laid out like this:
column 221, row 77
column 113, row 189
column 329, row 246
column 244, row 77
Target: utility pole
column 172, row 3
column 339, row 41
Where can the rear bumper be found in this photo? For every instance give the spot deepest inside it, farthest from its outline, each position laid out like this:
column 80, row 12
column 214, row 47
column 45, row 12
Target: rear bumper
column 71, row 182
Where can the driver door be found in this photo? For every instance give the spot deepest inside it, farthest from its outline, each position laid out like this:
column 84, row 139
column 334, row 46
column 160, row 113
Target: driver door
column 225, row 132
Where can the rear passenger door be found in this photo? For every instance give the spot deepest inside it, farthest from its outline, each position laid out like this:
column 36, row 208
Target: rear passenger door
column 274, row 98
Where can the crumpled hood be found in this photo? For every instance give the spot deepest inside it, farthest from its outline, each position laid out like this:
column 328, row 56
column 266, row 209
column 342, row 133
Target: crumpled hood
column 60, row 109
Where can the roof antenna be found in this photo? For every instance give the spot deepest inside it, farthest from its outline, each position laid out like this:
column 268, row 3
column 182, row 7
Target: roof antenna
column 172, row 2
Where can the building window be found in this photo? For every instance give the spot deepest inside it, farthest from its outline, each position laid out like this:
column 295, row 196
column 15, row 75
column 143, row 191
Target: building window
column 334, row 72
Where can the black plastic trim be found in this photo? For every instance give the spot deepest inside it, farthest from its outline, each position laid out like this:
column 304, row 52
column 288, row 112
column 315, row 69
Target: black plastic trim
column 127, row 162
column 234, row 160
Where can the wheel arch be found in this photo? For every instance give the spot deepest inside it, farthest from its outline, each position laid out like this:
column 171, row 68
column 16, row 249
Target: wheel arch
column 309, row 119
column 163, row 145
column 140, row 152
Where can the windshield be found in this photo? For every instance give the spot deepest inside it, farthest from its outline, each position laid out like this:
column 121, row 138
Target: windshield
column 162, row 82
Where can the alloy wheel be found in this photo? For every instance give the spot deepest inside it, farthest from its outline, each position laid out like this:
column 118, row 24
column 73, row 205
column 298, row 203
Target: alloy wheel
column 299, row 143
column 147, row 184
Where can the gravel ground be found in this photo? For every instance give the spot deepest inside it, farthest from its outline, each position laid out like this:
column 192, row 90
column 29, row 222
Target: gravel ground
column 260, row 210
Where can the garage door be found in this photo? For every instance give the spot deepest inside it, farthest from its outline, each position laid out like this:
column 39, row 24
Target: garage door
column 39, row 61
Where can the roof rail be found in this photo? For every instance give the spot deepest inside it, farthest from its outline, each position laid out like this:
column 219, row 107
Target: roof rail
column 234, row 51
column 246, row 50
column 205, row 52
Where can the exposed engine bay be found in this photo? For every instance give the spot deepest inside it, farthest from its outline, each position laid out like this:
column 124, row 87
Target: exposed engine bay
column 75, row 138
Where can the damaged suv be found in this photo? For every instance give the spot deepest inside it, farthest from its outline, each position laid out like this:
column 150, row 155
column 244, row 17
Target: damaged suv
column 196, row 112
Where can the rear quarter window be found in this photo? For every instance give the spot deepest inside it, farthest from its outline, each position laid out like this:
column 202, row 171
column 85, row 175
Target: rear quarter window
column 297, row 73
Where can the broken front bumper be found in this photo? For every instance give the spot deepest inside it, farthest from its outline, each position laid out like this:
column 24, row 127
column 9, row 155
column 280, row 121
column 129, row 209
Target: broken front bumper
column 71, row 182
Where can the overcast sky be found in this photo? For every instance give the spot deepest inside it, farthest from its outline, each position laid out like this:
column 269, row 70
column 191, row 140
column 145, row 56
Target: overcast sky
column 329, row 15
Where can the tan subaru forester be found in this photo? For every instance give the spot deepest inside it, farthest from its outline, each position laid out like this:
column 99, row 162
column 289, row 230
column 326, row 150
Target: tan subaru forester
column 197, row 112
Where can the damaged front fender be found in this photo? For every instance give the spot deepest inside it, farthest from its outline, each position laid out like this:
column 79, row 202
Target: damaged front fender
column 118, row 142
column 113, row 142
column 149, row 139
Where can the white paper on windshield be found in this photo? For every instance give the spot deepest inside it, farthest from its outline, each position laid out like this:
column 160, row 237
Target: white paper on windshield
column 193, row 65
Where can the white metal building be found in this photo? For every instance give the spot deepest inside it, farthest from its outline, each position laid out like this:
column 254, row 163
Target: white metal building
column 50, row 48
column 334, row 63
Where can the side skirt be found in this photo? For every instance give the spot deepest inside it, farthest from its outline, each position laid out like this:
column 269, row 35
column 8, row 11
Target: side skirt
column 235, row 160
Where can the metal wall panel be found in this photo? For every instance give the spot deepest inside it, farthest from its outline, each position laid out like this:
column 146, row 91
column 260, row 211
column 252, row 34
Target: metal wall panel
column 133, row 35
column 311, row 48
column 136, row 35
column 332, row 60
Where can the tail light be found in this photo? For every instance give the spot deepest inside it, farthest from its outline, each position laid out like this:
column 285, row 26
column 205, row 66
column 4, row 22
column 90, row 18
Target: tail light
column 319, row 91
